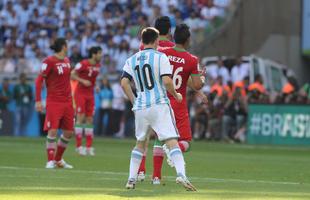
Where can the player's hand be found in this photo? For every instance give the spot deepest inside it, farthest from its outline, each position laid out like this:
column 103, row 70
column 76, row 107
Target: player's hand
column 204, row 98
column 179, row 97
column 38, row 106
column 86, row 83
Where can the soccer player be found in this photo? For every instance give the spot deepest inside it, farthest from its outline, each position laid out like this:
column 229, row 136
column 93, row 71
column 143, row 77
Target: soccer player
column 55, row 71
column 163, row 25
column 185, row 72
column 150, row 70
column 86, row 73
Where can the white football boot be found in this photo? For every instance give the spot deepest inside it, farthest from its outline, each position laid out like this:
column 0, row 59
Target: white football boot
column 50, row 165
column 156, row 181
column 90, row 151
column 131, row 184
column 141, row 177
column 63, row 164
column 185, row 182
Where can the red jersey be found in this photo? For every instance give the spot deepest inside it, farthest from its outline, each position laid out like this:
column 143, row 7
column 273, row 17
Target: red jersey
column 162, row 43
column 184, row 64
column 89, row 72
column 56, row 73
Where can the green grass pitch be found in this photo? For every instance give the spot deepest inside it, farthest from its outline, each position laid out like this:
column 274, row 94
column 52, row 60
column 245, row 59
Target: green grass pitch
column 219, row 171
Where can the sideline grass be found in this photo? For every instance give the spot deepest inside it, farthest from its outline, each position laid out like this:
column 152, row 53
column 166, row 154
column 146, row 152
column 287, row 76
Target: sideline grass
column 219, row 171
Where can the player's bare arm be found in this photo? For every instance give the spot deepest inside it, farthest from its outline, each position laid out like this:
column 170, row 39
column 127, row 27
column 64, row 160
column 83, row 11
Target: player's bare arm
column 170, row 88
column 75, row 76
column 125, row 83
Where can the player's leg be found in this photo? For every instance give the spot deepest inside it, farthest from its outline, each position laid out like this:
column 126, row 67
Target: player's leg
column 79, row 129
column 66, row 124
column 79, row 124
column 142, row 168
column 51, row 148
column 51, row 124
column 166, row 130
column 184, row 128
column 89, row 125
column 158, row 157
column 141, row 126
column 89, row 134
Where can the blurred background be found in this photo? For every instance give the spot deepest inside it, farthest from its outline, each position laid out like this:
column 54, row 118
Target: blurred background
column 256, row 54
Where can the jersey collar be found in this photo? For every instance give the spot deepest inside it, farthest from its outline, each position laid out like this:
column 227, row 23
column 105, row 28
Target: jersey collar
column 179, row 49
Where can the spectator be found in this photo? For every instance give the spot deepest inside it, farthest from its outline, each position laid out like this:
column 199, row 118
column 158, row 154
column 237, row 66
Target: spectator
column 239, row 71
column 257, row 91
column 5, row 94
column 23, row 97
column 305, row 93
column 235, row 110
column 289, row 92
column 106, row 97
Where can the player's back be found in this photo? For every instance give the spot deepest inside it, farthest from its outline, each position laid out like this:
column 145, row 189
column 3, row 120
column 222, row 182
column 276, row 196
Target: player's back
column 57, row 78
column 146, row 68
column 184, row 65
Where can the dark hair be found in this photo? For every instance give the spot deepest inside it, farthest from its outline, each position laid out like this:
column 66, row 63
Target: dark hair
column 162, row 24
column 181, row 34
column 59, row 43
column 149, row 35
column 93, row 50
column 257, row 77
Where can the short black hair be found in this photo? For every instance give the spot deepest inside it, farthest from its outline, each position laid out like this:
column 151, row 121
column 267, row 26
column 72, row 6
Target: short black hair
column 181, row 34
column 58, row 44
column 257, row 77
column 163, row 25
column 93, row 50
column 149, row 35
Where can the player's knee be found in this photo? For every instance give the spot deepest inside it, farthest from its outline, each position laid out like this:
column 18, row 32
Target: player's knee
column 52, row 133
column 67, row 134
column 184, row 145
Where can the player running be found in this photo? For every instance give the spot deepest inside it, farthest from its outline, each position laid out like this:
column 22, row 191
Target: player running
column 86, row 73
column 150, row 70
column 185, row 72
column 55, row 71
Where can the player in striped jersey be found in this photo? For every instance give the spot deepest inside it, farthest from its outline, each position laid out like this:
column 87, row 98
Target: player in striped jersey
column 150, row 70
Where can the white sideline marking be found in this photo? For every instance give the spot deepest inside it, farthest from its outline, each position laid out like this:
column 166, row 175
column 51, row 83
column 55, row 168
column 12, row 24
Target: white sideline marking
column 197, row 179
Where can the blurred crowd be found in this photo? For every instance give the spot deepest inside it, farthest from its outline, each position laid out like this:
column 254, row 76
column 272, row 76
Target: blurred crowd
column 28, row 27
column 229, row 91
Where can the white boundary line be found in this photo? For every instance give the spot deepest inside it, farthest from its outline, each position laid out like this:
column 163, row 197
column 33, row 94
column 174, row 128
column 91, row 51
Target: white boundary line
column 171, row 178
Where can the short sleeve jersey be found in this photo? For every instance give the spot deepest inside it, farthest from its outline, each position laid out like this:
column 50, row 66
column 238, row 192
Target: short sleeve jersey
column 89, row 72
column 146, row 68
column 56, row 73
column 184, row 65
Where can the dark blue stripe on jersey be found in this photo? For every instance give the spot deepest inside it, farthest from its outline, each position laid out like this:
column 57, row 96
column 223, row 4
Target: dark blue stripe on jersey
column 126, row 75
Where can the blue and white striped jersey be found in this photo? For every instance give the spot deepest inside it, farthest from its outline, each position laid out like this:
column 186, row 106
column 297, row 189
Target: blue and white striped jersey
column 146, row 68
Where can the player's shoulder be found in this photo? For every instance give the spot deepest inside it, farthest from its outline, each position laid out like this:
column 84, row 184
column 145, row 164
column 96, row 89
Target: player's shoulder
column 67, row 59
column 164, row 49
column 49, row 59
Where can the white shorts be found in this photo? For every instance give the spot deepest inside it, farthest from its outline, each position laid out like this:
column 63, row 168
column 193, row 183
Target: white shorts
column 158, row 117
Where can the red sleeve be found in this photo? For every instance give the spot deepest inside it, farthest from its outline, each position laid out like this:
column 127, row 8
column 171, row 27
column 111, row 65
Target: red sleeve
column 38, row 87
column 195, row 66
column 141, row 47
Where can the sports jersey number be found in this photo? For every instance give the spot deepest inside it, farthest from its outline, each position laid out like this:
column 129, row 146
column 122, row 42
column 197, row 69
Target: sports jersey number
column 147, row 77
column 177, row 78
column 60, row 70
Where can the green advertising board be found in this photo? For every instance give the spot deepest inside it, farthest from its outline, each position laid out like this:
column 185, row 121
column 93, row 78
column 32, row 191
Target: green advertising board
column 278, row 124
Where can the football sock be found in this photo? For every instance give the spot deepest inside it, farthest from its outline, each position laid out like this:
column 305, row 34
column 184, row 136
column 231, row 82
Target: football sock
column 89, row 133
column 178, row 160
column 50, row 147
column 158, row 157
column 135, row 161
column 61, row 147
column 78, row 135
column 184, row 145
column 142, row 165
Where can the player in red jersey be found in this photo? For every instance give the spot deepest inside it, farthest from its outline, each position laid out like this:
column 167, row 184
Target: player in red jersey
column 185, row 73
column 86, row 73
column 55, row 71
column 163, row 25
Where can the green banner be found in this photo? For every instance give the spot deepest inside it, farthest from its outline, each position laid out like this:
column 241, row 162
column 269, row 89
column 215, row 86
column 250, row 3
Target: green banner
column 278, row 124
